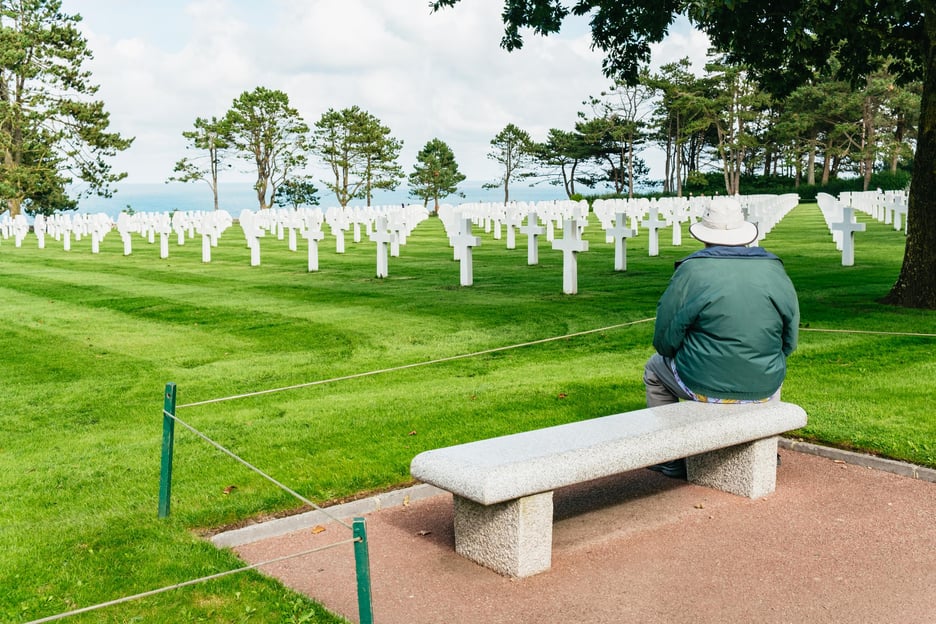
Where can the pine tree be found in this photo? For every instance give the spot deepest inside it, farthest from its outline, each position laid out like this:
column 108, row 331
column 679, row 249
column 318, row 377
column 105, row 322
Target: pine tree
column 435, row 175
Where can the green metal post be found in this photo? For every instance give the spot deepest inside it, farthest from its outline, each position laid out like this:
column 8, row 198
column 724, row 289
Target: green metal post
column 362, row 567
column 168, row 441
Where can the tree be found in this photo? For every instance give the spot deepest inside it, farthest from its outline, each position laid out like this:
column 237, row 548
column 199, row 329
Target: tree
column 379, row 154
column 209, row 136
column 676, row 111
column 51, row 130
column 265, row 129
column 902, row 122
column 435, row 174
column 295, row 192
column 565, row 159
column 359, row 151
column 513, row 149
column 732, row 106
column 617, row 130
column 783, row 47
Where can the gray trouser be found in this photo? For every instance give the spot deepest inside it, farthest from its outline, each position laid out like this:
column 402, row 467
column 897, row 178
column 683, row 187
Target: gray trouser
column 662, row 387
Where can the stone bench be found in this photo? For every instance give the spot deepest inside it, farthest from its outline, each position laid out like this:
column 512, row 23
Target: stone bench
column 503, row 486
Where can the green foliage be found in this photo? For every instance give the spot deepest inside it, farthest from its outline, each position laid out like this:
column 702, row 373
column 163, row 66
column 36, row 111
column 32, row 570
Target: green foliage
column 296, row 192
column 210, row 137
column 360, row 152
column 567, row 159
column 698, row 182
column 51, row 131
column 264, row 129
column 97, row 336
column 435, row 174
column 514, row 150
column 709, row 182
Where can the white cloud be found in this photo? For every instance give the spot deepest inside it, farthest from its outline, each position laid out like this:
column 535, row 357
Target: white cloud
column 423, row 75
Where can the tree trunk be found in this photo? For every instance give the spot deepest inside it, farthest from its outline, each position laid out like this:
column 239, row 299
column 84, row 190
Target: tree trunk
column 827, row 163
column 811, row 160
column 869, row 140
column 678, row 152
column 668, row 165
column 630, row 170
column 916, row 284
column 898, row 143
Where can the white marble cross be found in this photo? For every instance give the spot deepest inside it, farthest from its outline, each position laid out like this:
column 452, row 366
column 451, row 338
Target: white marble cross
column 464, row 242
column 653, row 225
column 848, row 226
column 314, row 235
column 382, row 236
column 180, row 221
column 20, row 229
column 532, row 229
column 39, row 227
column 252, row 232
column 67, row 237
column 514, row 220
column 620, row 232
column 570, row 244
column 337, row 221
column 164, row 229
column 900, row 212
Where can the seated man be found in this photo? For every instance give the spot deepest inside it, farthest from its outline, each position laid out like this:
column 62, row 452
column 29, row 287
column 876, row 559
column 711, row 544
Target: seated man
column 725, row 324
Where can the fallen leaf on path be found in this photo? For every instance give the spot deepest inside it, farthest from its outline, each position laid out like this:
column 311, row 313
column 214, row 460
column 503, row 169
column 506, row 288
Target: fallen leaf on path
column 318, row 528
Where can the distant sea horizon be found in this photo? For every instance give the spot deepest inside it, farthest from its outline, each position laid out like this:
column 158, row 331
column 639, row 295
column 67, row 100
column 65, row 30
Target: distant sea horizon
column 237, row 196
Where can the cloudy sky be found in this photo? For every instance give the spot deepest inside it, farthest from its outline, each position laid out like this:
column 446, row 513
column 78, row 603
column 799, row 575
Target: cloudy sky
column 162, row 64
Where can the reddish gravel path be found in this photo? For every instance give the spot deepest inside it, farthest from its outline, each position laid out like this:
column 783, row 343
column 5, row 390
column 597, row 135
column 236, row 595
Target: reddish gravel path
column 835, row 543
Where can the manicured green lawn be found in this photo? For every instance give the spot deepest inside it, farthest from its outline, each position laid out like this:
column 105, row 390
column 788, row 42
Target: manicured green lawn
column 91, row 341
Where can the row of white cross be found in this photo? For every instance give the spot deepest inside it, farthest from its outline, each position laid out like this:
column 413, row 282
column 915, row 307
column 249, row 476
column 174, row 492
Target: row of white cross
column 841, row 221
column 389, row 227
column 620, row 219
column 888, row 207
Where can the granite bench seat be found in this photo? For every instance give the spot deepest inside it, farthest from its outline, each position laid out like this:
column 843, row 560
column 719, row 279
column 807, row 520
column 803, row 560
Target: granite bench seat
column 503, row 486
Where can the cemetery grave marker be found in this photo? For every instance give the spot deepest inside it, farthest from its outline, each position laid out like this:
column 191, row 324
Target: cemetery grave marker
column 464, row 242
column 571, row 244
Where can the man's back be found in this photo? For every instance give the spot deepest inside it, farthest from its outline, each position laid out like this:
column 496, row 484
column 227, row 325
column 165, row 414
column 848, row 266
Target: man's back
column 729, row 318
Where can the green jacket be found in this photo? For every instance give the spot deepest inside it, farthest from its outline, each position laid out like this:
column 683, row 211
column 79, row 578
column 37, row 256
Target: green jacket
column 729, row 318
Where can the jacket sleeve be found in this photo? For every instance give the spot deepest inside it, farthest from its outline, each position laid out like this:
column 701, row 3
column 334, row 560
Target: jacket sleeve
column 788, row 305
column 675, row 314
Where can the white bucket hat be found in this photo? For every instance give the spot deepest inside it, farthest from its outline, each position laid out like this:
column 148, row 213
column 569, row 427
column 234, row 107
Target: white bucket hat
column 723, row 224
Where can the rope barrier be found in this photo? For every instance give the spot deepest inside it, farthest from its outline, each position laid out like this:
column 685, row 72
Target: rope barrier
column 867, row 331
column 415, row 365
column 154, row 592
column 255, row 469
column 427, row 363
column 497, row 350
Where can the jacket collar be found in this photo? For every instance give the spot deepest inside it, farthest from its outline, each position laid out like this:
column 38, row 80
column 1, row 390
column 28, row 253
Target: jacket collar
column 740, row 253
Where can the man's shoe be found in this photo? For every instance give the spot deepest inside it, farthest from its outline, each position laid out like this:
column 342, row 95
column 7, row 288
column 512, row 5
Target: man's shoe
column 675, row 469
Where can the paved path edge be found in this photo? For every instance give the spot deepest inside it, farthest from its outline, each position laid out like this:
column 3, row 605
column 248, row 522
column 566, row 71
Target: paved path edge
column 404, row 496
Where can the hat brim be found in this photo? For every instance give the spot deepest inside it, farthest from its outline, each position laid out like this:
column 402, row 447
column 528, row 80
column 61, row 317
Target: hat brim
column 744, row 235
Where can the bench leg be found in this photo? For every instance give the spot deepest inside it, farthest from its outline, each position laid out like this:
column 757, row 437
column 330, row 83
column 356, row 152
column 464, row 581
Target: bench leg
column 748, row 469
column 513, row 538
